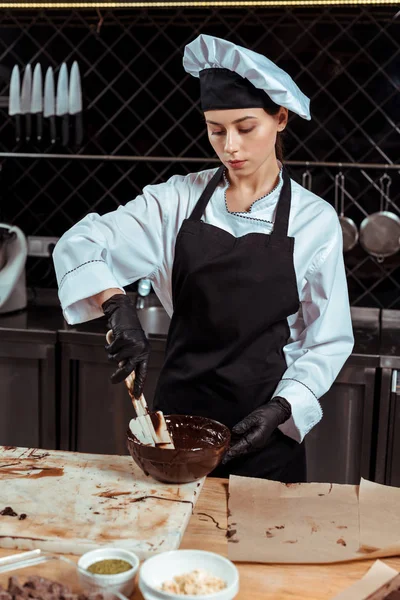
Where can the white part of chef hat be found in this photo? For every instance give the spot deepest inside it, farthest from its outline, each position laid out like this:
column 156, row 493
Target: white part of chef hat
column 234, row 77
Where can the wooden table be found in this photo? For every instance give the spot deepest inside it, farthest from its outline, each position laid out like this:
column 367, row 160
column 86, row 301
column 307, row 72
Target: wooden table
column 206, row 531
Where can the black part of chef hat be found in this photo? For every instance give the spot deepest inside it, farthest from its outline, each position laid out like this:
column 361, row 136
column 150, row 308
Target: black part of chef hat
column 234, row 77
column 221, row 89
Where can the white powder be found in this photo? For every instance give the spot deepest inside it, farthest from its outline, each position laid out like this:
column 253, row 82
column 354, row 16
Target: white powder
column 195, row 583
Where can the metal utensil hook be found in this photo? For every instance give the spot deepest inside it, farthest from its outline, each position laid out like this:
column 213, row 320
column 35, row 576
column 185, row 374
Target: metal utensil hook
column 339, row 192
column 306, row 179
column 100, row 21
column 385, row 181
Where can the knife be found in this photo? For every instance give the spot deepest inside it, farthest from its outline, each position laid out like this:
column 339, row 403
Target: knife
column 49, row 103
column 37, row 100
column 62, row 102
column 26, row 94
column 75, row 101
column 14, row 101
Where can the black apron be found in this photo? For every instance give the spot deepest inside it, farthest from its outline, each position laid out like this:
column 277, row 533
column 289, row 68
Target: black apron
column 224, row 358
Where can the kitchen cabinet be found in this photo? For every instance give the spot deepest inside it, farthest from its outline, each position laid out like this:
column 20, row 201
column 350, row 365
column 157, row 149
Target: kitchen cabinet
column 387, row 467
column 340, row 448
column 95, row 413
column 28, row 385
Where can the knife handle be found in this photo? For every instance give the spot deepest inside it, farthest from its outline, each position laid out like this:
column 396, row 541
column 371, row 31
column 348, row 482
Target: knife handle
column 39, row 126
column 78, row 129
column 28, row 126
column 52, row 121
column 65, row 127
column 17, row 128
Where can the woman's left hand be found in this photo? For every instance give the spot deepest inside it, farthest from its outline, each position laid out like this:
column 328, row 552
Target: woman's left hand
column 255, row 429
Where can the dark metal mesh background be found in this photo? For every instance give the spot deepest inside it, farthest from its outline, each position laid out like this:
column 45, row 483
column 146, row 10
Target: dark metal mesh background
column 139, row 101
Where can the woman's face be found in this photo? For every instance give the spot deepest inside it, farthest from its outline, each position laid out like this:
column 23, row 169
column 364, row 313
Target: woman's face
column 244, row 138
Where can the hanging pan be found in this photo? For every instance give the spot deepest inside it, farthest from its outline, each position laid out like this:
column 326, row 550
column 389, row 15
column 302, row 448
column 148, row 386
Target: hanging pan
column 380, row 232
column 349, row 228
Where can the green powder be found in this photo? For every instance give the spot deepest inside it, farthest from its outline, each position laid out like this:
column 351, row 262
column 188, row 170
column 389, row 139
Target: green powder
column 109, row 566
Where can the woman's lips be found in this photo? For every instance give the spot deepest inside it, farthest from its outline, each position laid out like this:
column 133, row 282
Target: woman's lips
column 236, row 164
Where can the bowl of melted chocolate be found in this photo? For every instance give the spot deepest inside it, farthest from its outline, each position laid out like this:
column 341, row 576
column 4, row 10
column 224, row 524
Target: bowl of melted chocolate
column 200, row 445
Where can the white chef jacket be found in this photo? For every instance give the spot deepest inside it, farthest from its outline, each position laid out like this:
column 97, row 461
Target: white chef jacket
column 138, row 240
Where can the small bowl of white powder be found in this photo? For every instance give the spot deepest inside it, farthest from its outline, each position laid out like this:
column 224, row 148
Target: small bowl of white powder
column 188, row 575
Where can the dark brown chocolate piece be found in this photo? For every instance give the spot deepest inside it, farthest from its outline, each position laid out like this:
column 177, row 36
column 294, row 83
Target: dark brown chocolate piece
column 41, row 584
column 8, row 512
column 40, row 588
column 59, row 588
column 22, row 516
column 16, row 589
column 91, row 596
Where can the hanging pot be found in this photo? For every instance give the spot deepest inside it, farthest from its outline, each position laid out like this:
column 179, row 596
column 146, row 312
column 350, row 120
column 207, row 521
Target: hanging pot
column 380, row 232
column 349, row 228
column 306, row 180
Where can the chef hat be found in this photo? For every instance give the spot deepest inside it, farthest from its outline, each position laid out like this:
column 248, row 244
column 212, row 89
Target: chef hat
column 234, row 77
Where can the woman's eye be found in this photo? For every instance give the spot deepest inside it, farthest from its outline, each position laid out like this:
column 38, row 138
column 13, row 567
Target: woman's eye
column 246, row 130
column 217, row 132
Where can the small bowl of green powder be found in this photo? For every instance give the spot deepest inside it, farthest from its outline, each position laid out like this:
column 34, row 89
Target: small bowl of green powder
column 107, row 568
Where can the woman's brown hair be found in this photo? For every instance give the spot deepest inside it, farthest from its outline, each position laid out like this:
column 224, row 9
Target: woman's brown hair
column 273, row 109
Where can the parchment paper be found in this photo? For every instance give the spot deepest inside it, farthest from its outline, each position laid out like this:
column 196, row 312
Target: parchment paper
column 378, row 575
column 311, row 522
column 379, row 515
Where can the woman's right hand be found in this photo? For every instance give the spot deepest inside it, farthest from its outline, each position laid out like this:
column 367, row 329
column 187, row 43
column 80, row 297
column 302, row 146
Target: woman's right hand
column 130, row 348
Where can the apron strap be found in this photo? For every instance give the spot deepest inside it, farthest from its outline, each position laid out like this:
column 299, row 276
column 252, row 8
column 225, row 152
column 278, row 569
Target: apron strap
column 208, row 191
column 281, row 224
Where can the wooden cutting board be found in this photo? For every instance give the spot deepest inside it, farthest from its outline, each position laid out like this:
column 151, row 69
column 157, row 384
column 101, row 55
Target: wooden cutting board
column 76, row 502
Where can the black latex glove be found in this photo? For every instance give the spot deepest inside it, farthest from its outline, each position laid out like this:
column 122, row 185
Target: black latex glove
column 130, row 348
column 255, row 429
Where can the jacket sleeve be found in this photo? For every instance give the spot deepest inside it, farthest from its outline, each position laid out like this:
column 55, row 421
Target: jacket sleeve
column 323, row 342
column 110, row 251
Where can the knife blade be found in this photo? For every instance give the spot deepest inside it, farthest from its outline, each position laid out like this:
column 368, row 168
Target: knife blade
column 62, row 101
column 75, row 101
column 37, row 100
column 26, row 95
column 14, row 101
column 49, row 109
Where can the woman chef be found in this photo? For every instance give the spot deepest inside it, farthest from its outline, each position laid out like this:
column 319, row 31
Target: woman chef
column 248, row 263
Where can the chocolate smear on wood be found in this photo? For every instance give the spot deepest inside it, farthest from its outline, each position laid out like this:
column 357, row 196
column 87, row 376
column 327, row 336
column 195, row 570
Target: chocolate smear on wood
column 218, row 526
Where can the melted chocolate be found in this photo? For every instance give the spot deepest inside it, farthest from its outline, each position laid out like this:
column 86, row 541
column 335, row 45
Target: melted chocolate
column 200, row 444
column 8, row 512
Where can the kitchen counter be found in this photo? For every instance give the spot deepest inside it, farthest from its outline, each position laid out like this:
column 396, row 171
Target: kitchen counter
column 44, row 317
column 390, row 339
column 206, row 531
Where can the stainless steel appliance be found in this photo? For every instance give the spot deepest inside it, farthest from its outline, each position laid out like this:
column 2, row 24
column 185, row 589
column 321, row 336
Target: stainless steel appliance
column 13, row 253
column 339, row 448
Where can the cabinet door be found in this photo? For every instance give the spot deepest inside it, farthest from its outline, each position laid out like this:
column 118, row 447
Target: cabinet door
column 393, row 445
column 27, row 375
column 95, row 413
column 339, row 447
